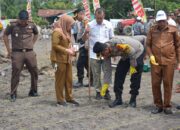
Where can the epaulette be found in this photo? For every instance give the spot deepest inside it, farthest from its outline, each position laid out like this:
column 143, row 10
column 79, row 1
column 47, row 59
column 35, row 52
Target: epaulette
column 153, row 27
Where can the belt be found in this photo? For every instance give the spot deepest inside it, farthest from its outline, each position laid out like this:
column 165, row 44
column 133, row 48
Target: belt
column 21, row 50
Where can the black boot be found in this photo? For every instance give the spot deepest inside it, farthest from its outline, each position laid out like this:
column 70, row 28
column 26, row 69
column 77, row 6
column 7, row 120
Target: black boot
column 98, row 96
column 107, row 95
column 78, row 84
column 116, row 102
column 178, row 107
column 132, row 101
column 156, row 110
column 13, row 98
column 33, row 93
column 168, row 111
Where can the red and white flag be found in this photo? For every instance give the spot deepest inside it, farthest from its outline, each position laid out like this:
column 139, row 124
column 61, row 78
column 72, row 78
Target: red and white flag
column 96, row 4
column 28, row 8
column 138, row 8
column 87, row 9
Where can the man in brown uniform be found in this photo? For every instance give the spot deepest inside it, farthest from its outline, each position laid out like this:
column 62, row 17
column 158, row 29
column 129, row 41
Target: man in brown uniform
column 163, row 47
column 23, row 34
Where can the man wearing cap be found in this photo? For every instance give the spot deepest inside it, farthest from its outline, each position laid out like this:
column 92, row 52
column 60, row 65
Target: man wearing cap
column 163, row 48
column 82, row 62
column 138, row 27
column 24, row 35
column 131, row 52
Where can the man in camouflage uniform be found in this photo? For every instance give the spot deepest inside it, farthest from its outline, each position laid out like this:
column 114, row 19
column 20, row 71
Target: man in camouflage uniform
column 24, row 35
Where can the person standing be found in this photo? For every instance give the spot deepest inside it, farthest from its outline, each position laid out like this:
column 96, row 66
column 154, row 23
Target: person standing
column 82, row 62
column 99, row 30
column 171, row 19
column 61, row 54
column 24, row 35
column 163, row 48
column 138, row 27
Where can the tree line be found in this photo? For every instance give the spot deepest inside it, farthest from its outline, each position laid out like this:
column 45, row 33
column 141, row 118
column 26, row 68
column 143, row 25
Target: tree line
column 114, row 8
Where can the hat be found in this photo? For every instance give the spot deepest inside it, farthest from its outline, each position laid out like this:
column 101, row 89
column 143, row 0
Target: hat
column 23, row 15
column 161, row 15
column 139, row 18
column 99, row 47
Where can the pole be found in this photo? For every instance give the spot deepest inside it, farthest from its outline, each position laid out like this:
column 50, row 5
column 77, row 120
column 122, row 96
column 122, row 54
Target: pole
column 0, row 10
column 154, row 8
column 89, row 72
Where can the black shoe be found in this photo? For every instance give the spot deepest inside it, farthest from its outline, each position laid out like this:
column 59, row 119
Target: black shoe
column 13, row 98
column 178, row 107
column 115, row 103
column 168, row 111
column 156, row 110
column 73, row 102
column 62, row 104
column 132, row 101
column 86, row 85
column 33, row 93
column 107, row 96
column 98, row 96
column 78, row 85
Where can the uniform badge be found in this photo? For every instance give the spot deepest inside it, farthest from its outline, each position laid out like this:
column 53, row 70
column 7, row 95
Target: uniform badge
column 16, row 34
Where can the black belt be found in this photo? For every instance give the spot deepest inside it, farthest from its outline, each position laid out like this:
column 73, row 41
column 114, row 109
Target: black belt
column 21, row 50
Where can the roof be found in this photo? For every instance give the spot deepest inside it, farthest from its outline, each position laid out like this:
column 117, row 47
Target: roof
column 50, row 12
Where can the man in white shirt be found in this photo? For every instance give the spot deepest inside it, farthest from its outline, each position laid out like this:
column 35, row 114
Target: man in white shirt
column 171, row 20
column 99, row 30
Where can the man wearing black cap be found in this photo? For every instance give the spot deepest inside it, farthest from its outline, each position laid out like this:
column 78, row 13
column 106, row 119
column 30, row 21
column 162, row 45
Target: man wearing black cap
column 131, row 52
column 24, row 35
column 82, row 62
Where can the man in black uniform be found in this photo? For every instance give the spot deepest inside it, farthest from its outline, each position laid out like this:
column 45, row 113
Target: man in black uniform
column 82, row 62
column 24, row 35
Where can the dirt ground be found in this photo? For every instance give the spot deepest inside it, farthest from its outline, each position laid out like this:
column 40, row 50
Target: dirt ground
column 42, row 113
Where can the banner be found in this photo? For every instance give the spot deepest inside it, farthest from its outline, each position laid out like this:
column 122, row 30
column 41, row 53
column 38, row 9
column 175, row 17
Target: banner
column 138, row 8
column 87, row 9
column 96, row 4
column 28, row 8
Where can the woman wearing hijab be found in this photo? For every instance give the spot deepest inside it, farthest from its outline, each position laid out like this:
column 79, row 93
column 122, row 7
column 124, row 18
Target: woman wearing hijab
column 61, row 54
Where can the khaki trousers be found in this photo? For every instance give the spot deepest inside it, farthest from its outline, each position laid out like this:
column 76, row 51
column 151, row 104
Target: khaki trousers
column 63, row 80
column 163, row 73
column 19, row 59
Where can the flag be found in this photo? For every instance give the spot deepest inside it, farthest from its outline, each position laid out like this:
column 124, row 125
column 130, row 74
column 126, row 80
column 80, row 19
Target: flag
column 87, row 9
column 138, row 8
column 28, row 8
column 96, row 4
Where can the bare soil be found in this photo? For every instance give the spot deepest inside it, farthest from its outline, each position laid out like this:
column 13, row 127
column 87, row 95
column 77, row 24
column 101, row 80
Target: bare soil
column 42, row 113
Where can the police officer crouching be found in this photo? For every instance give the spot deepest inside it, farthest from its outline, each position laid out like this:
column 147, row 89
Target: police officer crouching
column 24, row 35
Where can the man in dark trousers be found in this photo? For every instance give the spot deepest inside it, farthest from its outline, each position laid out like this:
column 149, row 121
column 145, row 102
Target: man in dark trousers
column 82, row 62
column 24, row 35
column 131, row 51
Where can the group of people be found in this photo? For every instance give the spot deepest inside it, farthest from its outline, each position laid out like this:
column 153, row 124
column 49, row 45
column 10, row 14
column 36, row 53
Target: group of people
column 97, row 45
